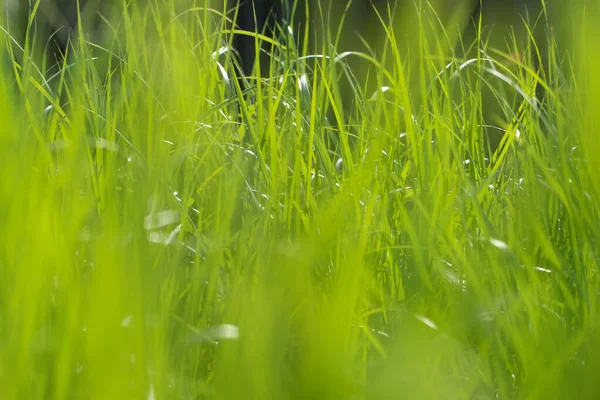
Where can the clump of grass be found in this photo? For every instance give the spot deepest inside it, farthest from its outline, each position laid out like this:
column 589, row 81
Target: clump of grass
column 168, row 232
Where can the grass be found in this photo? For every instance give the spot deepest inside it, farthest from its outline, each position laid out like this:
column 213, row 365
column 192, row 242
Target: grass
column 167, row 234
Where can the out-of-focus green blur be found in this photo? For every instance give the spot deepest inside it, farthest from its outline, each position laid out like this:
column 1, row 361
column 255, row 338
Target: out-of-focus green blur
column 426, row 227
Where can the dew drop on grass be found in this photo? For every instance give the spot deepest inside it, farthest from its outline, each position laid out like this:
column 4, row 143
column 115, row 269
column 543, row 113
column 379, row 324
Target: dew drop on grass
column 383, row 89
column 427, row 321
column 499, row 244
column 126, row 322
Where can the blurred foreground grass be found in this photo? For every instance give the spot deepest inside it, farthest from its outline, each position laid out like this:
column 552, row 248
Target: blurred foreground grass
column 164, row 236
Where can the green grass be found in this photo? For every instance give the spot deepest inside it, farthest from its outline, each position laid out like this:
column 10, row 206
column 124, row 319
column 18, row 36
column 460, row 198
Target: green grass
column 165, row 237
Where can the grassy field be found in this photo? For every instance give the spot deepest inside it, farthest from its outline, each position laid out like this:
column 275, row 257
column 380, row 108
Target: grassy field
column 167, row 234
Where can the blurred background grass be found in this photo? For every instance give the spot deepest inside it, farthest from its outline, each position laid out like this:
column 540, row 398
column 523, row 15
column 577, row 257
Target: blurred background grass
column 342, row 230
